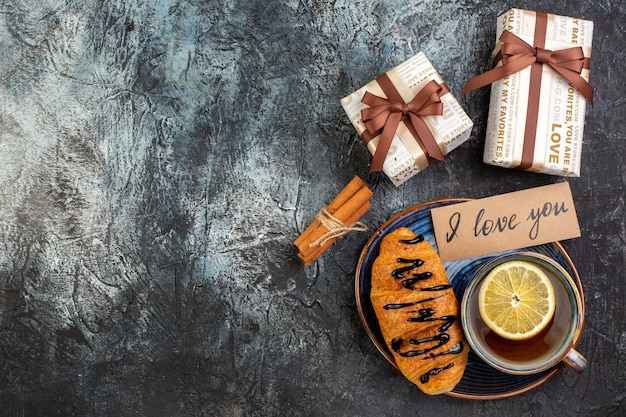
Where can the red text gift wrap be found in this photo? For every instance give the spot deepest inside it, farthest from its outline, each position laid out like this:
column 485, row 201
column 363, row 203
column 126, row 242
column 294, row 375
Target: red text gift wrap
column 407, row 117
column 539, row 89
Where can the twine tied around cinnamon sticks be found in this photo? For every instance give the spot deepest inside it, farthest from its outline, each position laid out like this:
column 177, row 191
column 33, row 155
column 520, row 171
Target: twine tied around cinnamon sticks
column 336, row 228
column 336, row 220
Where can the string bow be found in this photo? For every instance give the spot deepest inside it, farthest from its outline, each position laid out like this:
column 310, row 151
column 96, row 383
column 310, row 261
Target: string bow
column 383, row 116
column 516, row 55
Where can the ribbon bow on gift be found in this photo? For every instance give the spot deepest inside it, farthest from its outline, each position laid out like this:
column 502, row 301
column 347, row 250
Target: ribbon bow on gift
column 517, row 55
column 383, row 116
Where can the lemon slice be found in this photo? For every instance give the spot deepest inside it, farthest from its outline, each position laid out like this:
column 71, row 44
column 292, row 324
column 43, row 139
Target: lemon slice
column 516, row 300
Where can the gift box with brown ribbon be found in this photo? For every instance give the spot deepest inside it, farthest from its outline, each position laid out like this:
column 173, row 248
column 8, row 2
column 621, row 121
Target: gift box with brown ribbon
column 407, row 118
column 539, row 90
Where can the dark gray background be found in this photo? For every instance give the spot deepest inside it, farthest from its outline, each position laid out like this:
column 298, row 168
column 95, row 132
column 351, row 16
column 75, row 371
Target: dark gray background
column 158, row 158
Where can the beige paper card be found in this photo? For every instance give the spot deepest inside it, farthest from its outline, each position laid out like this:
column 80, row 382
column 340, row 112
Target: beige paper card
column 509, row 221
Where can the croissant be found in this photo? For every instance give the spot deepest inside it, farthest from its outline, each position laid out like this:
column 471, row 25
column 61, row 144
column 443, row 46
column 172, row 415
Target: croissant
column 417, row 312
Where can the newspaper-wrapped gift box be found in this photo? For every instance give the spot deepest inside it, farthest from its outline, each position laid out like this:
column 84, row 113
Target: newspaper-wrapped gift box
column 425, row 125
column 536, row 115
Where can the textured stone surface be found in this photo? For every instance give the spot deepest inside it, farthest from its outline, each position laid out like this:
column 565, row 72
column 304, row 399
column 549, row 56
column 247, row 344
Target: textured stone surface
column 157, row 159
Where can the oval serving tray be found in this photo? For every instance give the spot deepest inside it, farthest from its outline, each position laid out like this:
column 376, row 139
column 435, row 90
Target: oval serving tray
column 480, row 381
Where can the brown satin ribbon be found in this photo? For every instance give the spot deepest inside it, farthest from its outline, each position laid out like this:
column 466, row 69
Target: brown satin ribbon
column 383, row 116
column 516, row 55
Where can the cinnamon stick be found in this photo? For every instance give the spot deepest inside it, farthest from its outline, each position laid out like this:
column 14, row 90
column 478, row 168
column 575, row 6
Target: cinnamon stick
column 348, row 191
column 346, row 209
column 308, row 255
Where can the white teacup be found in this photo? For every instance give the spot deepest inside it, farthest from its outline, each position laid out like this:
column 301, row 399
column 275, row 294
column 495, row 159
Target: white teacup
column 551, row 346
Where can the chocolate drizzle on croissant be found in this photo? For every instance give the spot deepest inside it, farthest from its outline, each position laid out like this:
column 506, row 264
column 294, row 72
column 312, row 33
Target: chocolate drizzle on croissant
column 417, row 312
